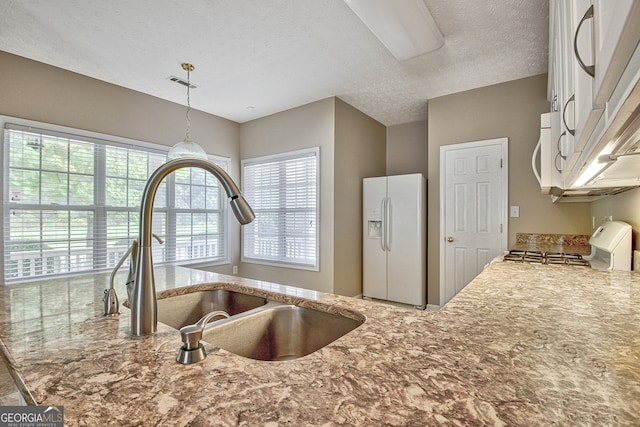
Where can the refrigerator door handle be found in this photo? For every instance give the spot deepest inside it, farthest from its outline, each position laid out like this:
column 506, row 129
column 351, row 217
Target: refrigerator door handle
column 382, row 231
column 387, row 239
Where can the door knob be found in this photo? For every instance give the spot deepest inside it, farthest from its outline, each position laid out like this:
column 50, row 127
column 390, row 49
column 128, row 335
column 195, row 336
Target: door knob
column 449, row 239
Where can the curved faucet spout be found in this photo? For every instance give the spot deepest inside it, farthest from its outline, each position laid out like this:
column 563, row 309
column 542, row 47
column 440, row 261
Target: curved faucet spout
column 144, row 305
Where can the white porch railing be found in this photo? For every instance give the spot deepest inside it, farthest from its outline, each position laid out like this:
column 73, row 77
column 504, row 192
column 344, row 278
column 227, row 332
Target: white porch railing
column 21, row 265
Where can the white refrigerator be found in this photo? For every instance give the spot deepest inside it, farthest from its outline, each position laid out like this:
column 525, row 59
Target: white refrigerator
column 394, row 239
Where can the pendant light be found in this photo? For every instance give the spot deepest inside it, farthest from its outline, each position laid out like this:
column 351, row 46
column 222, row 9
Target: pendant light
column 187, row 148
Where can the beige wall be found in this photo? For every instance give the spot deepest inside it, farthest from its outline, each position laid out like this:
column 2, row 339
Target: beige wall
column 622, row 207
column 308, row 126
column 35, row 91
column 407, row 148
column 510, row 110
column 352, row 146
column 359, row 152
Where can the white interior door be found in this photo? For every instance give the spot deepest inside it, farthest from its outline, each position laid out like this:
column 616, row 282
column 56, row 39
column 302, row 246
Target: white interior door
column 473, row 211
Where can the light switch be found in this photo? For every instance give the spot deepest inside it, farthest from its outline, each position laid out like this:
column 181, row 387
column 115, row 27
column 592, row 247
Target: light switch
column 514, row 212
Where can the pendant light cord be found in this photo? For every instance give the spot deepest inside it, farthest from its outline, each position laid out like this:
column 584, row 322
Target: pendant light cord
column 186, row 147
column 188, row 134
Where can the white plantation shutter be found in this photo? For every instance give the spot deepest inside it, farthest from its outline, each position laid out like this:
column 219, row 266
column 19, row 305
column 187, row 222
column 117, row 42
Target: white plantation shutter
column 283, row 191
column 71, row 205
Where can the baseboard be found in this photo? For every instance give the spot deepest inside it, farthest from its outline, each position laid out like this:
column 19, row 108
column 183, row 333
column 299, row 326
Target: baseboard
column 430, row 307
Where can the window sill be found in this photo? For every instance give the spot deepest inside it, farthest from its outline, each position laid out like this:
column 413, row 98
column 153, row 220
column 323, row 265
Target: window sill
column 281, row 264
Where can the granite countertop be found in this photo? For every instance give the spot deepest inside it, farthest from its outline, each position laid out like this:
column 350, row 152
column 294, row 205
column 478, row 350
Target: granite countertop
column 522, row 344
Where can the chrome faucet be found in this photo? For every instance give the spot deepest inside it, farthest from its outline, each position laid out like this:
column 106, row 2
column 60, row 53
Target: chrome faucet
column 144, row 304
column 133, row 265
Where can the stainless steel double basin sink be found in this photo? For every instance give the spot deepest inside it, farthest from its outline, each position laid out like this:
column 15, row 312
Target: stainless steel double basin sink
column 257, row 327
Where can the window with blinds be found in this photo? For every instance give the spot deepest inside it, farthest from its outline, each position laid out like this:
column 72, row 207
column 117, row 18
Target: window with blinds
column 283, row 191
column 71, row 205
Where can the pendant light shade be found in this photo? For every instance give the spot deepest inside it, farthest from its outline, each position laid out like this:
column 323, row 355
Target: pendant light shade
column 187, row 148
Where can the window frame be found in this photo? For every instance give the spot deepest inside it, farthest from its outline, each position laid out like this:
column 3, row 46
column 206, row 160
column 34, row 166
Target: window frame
column 302, row 153
column 8, row 123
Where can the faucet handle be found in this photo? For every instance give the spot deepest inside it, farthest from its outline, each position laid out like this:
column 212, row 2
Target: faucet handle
column 111, row 304
column 192, row 351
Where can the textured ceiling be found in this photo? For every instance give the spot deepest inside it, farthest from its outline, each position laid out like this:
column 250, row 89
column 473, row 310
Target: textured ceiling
column 258, row 57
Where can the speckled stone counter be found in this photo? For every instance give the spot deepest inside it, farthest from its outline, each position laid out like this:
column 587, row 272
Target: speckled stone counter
column 520, row 345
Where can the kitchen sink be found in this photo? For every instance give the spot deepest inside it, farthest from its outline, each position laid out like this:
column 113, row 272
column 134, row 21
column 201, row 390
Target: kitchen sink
column 278, row 332
column 186, row 309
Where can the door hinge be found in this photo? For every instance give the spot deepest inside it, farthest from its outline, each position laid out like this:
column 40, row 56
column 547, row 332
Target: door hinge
column 501, row 228
column 500, row 163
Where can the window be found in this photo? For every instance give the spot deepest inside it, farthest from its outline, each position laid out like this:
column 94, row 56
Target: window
column 71, row 204
column 283, row 192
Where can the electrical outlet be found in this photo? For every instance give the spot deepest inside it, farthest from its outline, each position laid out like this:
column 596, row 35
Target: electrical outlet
column 235, row 269
column 514, row 212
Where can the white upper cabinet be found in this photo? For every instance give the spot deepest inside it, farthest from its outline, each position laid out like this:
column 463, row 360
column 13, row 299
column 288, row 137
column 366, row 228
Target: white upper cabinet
column 583, row 60
column 616, row 35
column 590, row 45
column 572, row 93
column 561, row 87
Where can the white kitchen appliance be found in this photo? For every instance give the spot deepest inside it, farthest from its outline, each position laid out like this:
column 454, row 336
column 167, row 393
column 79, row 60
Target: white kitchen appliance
column 549, row 174
column 611, row 246
column 394, row 239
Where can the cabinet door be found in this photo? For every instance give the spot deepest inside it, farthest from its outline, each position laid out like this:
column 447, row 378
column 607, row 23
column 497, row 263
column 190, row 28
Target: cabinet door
column 555, row 70
column 617, row 32
column 586, row 114
column 583, row 51
column 565, row 142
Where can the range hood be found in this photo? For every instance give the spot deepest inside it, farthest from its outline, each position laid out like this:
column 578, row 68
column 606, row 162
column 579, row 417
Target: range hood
column 584, row 195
